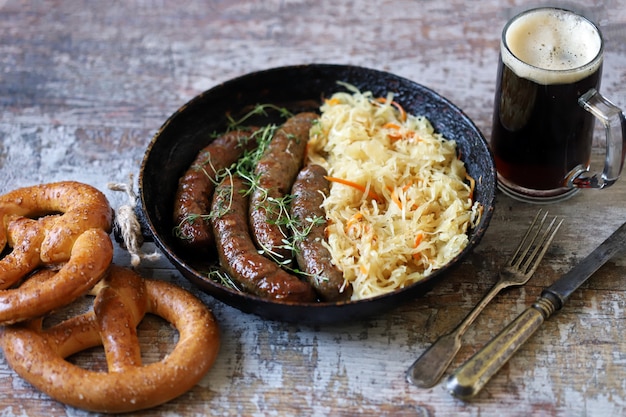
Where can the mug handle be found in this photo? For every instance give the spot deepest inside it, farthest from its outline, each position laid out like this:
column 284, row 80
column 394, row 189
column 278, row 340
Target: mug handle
column 614, row 123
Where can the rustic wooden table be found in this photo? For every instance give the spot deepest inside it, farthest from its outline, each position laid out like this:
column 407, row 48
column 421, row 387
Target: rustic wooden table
column 85, row 85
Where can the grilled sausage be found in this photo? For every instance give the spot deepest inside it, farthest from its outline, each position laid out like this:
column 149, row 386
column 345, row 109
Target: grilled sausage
column 313, row 257
column 276, row 171
column 238, row 255
column 196, row 186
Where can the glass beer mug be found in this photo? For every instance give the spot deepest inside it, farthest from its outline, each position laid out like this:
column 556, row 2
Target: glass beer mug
column 546, row 103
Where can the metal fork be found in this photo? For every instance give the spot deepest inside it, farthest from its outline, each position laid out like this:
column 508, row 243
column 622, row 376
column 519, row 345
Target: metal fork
column 431, row 365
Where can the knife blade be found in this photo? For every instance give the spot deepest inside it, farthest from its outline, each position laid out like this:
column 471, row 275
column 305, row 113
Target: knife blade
column 472, row 376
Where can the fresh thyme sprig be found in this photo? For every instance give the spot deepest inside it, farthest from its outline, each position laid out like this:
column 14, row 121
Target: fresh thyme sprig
column 258, row 110
column 216, row 274
column 190, row 218
column 246, row 165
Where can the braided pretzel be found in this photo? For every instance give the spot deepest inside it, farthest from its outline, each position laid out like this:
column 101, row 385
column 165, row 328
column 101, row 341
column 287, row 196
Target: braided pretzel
column 25, row 237
column 70, row 233
column 46, row 290
column 82, row 206
column 122, row 299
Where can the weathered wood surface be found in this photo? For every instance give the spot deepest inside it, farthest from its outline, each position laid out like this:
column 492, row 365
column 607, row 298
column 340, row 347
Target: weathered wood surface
column 84, row 86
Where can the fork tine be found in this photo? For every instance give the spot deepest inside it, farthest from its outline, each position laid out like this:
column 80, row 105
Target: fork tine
column 523, row 247
column 546, row 240
column 529, row 258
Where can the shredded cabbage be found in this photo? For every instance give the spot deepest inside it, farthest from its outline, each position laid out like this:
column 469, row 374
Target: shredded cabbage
column 400, row 202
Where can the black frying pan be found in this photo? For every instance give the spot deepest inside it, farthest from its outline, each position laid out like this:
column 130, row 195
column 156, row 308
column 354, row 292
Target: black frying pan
column 297, row 88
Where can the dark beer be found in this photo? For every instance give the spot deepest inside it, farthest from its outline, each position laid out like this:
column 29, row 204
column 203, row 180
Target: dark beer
column 549, row 58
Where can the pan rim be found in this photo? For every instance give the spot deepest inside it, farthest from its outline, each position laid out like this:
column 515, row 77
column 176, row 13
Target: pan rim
column 225, row 294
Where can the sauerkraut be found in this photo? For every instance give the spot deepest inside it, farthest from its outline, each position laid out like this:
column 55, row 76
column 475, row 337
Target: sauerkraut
column 400, row 202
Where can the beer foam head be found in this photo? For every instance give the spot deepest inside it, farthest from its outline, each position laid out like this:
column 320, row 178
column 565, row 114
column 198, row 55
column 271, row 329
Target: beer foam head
column 551, row 46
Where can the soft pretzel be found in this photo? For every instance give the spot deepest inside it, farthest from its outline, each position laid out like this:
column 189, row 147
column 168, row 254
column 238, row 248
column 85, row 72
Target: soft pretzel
column 82, row 207
column 46, row 290
column 25, row 237
column 122, row 299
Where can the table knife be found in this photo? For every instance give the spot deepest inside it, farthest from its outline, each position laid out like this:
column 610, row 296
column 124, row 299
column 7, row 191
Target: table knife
column 472, row 376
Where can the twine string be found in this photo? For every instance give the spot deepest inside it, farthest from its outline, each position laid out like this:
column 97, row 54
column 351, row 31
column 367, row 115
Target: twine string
column 129, row 226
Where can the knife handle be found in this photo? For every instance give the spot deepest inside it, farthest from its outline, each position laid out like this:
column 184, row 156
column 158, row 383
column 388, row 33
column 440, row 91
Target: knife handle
column 472, row 376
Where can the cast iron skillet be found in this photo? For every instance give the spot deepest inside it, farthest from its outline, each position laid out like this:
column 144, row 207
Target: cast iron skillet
column 297, row 88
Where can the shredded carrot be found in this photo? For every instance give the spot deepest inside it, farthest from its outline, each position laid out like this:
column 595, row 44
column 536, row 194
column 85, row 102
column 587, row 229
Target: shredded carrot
column 364, row 270
column 332, row 101
column 390, row 125
column 407, row 185
column 395, row 198
column 355, row 218
column 371, row 194
column 381, row 100
column 418, row 239
column 395, row 133
column 396, row 105
column 401, row 110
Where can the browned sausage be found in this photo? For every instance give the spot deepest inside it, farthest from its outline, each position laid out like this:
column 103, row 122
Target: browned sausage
column 239, row 256
column 276, row 172
column 196, row 186
column 313, row 257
